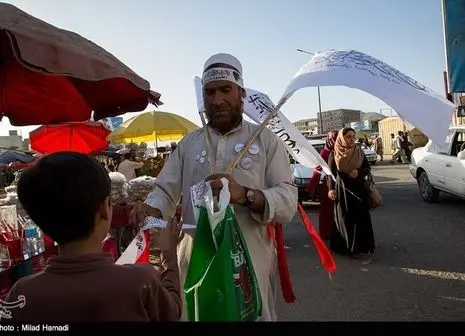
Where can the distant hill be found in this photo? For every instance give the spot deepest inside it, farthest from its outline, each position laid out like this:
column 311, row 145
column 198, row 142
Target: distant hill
column 372, row 116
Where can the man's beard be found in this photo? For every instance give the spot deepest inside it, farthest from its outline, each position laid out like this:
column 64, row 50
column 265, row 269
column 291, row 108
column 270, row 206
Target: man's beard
column 224, row 122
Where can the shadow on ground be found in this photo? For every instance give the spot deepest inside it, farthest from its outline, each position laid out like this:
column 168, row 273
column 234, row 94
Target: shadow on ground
column 418, row 273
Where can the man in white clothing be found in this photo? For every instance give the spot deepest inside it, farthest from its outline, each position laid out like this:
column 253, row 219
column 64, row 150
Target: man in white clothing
column 399, row 152
column 128, row 167
column 260, row 187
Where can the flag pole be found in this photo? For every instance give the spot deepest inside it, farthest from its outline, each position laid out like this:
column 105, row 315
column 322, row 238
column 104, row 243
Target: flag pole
column 200, row 105
column 444, row 29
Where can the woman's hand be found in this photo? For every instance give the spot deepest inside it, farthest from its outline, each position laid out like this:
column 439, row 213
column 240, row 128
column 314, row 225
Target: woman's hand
column 332, row 195
column 354, row 174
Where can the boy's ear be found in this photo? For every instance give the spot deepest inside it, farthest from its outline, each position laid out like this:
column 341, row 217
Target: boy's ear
column 105, row 209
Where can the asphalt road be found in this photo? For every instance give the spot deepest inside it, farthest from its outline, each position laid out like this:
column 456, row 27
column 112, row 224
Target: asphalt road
column 418, row 273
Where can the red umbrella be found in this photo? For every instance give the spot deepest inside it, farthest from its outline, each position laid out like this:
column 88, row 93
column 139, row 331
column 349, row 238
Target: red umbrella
column 50, row 75
column 89, row 137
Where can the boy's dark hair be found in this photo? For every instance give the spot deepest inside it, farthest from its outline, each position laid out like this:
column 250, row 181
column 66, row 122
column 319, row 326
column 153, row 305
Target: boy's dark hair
column 62, row 193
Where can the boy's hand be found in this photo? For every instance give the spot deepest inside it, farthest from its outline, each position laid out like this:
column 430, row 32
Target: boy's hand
column 169, row 237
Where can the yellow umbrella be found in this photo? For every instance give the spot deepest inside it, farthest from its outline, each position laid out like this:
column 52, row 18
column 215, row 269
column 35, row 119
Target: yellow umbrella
column 152, row 127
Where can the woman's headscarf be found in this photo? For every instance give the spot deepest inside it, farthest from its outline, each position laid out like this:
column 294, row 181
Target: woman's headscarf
column 331, row 140
column 347, row 158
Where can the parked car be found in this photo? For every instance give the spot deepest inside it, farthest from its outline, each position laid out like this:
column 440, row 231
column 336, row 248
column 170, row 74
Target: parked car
column 301, row 174
column 437, row 168
column 370, row 154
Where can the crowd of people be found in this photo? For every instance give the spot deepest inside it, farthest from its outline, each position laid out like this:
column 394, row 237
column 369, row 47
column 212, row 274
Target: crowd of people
column 401, row 146
column 67, row 195
column 132, row 163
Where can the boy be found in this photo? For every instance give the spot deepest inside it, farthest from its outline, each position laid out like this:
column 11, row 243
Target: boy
column 67, row 195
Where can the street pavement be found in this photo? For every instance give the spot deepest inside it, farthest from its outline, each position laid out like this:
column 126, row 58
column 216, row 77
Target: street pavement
column 418, row 273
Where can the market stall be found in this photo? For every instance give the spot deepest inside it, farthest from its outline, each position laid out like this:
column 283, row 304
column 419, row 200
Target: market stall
column 152, row 126
column 67, row 79
column 124, row 195
column 45, row 64
column 87, row 138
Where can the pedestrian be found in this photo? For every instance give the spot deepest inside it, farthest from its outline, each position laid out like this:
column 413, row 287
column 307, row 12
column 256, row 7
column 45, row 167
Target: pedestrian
column 260, row 186
column 378, row 146
column 66, row 194
column 398, row 148
column 406, row 146
column 354, row 231
column 318, row 181
column 129, row 165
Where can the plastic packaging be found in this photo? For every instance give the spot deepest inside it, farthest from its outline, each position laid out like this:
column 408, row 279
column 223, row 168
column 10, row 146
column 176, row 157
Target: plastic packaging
column 140, row 188
column 119, row 188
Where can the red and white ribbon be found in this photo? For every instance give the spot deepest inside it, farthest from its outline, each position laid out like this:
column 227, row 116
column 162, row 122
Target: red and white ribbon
column 138, row 251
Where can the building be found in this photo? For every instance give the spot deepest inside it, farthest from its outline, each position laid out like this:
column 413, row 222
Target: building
column 12, row 141
column 337, row 119
column 340, row 118
column 392, row 125
column 368, row 121
column 307, row 126
column 372, row 116
column 27, row 144
column 459, row 100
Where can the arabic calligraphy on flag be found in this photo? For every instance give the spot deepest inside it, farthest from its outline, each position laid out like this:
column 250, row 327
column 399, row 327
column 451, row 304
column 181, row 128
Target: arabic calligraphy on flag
column 415, row 103
column 257, row 106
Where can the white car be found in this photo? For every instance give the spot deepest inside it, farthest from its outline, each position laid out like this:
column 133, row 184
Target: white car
column 370, row 154
column 301, row 175
column 441, row 168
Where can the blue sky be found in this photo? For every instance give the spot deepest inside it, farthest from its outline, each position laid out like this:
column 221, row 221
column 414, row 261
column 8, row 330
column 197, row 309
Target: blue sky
column 167, row 42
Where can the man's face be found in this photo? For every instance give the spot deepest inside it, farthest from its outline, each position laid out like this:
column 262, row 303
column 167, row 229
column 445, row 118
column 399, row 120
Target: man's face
column 223, row 104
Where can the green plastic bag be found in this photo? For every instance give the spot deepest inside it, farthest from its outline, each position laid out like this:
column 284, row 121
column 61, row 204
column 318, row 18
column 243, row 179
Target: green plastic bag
column 221, row 284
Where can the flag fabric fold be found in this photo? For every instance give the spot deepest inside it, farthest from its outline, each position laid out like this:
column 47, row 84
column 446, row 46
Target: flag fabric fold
column 138, row 251
column 325, row 255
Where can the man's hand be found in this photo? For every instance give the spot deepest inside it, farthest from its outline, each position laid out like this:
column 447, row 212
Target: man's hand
column 140, row 212
column 236, row 190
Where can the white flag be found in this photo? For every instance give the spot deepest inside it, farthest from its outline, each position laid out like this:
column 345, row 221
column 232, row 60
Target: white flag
column 420, row 106
column 257, row 106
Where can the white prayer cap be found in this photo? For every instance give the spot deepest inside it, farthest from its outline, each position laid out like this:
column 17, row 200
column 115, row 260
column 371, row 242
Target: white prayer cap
column 223, row 58
column 223, row 67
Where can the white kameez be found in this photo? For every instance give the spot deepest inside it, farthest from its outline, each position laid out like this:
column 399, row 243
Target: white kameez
column 266, row 169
